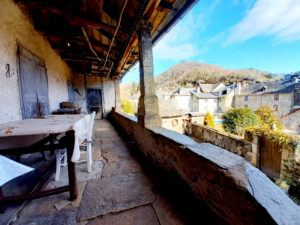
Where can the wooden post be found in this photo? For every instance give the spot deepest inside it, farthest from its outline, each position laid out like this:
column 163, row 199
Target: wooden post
column 71, row 166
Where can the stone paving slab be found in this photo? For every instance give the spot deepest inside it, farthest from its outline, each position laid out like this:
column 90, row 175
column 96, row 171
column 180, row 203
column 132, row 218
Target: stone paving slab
column 122, row 167
column 114, row 194
column 143, row 215
column 82, row 174
column 56, row 218
column 43, row 206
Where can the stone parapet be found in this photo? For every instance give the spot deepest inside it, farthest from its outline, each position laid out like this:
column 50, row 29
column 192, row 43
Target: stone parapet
column 235, row 191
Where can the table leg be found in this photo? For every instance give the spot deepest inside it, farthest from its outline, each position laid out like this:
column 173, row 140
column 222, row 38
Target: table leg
column 2, row 207
column 71, row 166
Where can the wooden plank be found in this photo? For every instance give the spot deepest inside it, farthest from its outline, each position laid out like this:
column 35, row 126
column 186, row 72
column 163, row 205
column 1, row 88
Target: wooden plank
column 72, row 17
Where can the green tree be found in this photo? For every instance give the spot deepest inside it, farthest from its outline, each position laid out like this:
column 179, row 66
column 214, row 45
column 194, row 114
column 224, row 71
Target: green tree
column 237, row 119
column 267, row 118
column 209, row 120
column 127, row 107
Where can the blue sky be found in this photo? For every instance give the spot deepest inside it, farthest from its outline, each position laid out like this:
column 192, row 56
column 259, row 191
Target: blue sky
column 259, row 34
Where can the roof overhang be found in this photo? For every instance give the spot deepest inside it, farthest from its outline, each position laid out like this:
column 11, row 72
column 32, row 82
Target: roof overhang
column 98, row 37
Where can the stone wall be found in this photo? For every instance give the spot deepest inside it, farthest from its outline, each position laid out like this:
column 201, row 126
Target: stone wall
column 285, row 102
column 226, row 141
column 290, row 165
column 176, row 123
column 15, row 26
column 235, row 191
column 107, row 87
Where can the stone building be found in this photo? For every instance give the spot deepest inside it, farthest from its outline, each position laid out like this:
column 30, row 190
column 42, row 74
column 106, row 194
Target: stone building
column 278, row 95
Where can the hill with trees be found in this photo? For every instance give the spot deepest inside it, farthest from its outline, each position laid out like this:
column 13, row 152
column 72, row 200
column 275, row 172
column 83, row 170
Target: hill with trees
column 188, row 73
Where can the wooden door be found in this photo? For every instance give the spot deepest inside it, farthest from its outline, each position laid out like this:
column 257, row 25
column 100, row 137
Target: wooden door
column 270, row 157
column 33, row 85
column 94, row 101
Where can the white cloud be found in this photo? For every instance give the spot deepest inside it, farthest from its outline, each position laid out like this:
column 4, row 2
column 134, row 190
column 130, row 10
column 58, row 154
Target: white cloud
column 181, row 43
column 272, row 18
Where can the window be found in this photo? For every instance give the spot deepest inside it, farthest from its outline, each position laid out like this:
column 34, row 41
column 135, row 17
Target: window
column 275, row 107
column 276, row 97
column 246, row 106
column 246, row 98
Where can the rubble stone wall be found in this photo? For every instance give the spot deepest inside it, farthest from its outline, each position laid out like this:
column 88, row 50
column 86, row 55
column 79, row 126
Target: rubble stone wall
column 229, row 142
column 290, row 165
column 235, row 191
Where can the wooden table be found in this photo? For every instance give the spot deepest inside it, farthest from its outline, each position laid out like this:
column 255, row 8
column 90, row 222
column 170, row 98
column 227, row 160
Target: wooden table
column 36, row 135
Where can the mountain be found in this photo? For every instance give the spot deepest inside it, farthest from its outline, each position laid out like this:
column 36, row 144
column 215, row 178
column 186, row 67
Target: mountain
column 188, row 73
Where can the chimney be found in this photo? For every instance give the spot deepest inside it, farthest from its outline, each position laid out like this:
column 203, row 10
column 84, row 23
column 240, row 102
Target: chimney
column 237, row 89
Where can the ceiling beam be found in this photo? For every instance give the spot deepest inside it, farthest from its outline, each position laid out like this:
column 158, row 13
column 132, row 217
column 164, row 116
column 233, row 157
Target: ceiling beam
column 79, row 41
column 70, row 16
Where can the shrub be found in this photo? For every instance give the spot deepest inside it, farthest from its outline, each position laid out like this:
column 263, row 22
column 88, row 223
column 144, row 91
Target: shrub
column 267, row 118
column 209, row 120
column 237, row 119
column 127, row 107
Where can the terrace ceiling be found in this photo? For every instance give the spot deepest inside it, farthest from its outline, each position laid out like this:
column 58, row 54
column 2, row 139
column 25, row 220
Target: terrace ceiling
column 98, row 37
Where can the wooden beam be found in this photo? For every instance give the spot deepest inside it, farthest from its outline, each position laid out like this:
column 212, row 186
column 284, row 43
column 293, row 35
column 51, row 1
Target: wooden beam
column 80, row 41
column 72, row 17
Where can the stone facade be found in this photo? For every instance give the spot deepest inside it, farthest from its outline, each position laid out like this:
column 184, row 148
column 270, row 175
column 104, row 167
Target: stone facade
column 284, row 102
column 235, row 191
column 292, row 121
column 14, row 25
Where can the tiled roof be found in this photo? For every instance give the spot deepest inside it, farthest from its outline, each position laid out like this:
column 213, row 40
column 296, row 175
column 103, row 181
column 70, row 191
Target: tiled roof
column 267, row 88
column 206, row 88
column 204, row 95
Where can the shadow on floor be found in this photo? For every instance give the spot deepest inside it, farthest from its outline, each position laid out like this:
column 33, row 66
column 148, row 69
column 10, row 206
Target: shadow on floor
column 178, row 194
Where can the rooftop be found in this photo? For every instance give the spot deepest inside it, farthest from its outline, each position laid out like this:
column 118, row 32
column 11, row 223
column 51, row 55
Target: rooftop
column 267, row 88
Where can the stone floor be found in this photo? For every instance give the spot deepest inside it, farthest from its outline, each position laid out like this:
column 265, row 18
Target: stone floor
column 119, row 191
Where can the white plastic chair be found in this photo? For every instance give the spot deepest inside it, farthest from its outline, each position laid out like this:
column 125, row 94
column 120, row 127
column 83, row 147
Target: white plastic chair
column 85, row 148
column 86, row 145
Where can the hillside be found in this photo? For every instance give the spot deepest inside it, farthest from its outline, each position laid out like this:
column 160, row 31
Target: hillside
column 186, row 73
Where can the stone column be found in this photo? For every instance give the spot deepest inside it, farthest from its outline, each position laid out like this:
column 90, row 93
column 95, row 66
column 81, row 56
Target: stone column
column 118, row 107
column 148, row 112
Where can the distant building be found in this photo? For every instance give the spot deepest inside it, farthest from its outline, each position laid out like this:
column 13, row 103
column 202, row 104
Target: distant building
column 278, row 95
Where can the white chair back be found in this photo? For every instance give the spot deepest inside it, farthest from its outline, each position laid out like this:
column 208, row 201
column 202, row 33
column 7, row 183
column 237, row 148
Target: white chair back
column 90, row 131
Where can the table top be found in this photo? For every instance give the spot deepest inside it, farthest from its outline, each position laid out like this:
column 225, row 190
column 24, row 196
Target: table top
column 51, row 124
column 24, row 133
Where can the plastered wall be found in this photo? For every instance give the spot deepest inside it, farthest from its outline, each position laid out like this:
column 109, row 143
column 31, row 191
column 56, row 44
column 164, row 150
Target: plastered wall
column 15, row 26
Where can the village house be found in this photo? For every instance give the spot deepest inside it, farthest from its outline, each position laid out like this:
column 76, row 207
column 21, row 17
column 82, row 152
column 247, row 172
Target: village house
column 54, row 52
column 278, row 95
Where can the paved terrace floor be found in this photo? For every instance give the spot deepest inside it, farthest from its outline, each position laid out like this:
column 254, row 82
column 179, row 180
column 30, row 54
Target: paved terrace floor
column 119, row 191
